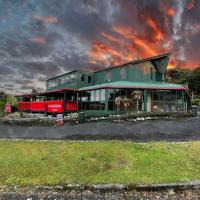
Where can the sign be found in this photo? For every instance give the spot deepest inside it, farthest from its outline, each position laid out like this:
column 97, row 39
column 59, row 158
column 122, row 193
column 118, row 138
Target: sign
column 59, row 119
column 55, row 106
column 8, row 108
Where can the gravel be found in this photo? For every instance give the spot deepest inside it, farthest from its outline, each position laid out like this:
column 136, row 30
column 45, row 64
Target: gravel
column 94, row 195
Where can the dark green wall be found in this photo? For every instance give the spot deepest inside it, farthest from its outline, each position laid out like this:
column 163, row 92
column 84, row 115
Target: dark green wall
column 140, row 72
column 74, row 83
column 143, row 71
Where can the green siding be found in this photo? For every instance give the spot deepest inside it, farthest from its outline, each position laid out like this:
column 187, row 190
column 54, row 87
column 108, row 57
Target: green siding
column 141, row 72
column 74, row 83
column 145, row 71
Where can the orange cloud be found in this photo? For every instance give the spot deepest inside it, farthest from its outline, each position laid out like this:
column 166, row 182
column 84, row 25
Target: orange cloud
column 153, row 25
column 111, row 38
column 103, row 54
column 128, row 33
column 170, row 12
column 38, row 40
column 122, row 49
column 47, row 19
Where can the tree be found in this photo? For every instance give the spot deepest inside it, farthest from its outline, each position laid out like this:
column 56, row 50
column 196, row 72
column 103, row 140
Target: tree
column 194, row 81
column 186, row 76
column 5, row 98
column 137, row 95
column 3, row 101
column 34, row 91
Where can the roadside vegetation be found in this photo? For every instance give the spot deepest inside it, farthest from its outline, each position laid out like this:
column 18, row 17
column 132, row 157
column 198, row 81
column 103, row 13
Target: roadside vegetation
column 187, row 76
column 58, row 162
column 6, row 98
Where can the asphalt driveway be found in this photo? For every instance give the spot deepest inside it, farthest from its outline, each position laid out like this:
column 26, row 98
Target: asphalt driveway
column 185, row 129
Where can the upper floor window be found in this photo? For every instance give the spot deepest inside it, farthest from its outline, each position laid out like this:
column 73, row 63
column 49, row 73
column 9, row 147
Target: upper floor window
column 53, row 83
column 83, row 78
column 151, row 73
column 108, row 76
column 72, row 77
column 123, row 73
column 89, row 79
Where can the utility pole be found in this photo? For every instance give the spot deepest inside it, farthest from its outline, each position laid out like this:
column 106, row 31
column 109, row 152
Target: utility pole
column 138, row 53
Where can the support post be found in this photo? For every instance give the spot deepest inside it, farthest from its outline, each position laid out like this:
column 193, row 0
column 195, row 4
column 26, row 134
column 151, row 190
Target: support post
column 145, row 100
column 183, row 101
column 106, row 100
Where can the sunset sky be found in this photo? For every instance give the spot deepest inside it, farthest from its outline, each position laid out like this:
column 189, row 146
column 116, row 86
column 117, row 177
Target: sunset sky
column 43, row 38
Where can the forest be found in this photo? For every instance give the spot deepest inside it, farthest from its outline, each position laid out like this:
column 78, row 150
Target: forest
column 186, row 76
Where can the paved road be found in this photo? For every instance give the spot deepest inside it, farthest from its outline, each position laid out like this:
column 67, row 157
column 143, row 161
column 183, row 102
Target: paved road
column 158, row 130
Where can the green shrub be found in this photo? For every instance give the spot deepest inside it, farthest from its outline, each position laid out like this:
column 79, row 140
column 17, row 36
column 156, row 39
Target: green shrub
column 5, row 98
column 196, row 102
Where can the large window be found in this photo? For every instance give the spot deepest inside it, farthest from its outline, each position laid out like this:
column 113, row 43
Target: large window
column 167, row 101
column 52, row 83
column 92, row 100
column 127, row 99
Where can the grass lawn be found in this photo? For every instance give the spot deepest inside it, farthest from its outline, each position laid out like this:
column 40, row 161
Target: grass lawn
column 52, row 163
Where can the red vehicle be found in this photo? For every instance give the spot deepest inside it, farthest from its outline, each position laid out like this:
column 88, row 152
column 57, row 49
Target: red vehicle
column 59, row 101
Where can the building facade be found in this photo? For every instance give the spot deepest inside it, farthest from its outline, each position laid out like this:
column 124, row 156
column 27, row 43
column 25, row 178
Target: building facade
column 135, row 86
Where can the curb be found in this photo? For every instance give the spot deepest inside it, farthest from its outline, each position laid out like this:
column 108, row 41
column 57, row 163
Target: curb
column 194, row 185
column 154, row 187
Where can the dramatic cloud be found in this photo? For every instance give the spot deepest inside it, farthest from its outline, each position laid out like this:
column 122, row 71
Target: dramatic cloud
column 47, row 19
column 38, row 40
column 41, row 39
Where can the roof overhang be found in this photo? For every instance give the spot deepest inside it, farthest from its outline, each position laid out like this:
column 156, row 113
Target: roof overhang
column 45, row 93
column 136, row 85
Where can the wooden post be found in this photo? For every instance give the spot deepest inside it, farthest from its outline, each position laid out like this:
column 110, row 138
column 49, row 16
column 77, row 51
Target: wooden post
column 145, row 100
column 106, row 101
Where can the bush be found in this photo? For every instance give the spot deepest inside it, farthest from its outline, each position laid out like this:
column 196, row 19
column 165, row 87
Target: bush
column 196, row 102
column 5, row 98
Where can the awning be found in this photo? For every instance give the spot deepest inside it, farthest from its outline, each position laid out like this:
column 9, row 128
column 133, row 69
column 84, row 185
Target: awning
column 137, row 85
column 45, row 93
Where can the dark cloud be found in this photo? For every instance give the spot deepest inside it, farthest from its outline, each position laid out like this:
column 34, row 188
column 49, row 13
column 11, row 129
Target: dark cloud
column 5, row 71
column 40, row 39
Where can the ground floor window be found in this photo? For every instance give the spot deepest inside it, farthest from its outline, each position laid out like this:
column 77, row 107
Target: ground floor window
column 168, row 101
column 132, row 100
column 125, row 99
column 92, row 100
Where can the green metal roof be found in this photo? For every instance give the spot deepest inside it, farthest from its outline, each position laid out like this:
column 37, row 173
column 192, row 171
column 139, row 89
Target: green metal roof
column 142, row 85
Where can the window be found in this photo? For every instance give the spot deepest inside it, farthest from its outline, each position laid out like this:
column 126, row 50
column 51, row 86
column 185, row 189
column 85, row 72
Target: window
column 103, row 97
column 168, row 100
column 97, row 95
column 125, row 94
column 83, row 78
column 108, row 76
column 92, row 95
column 53, row 83
column 92, row 100
column 151, row 73
column 89, row 79
column 110, row 94
column 72, row 77
column 66, row 79
column 123, row 73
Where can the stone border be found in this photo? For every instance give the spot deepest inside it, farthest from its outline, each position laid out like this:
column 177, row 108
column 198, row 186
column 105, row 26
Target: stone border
column 76, row 118
column 194, row 185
